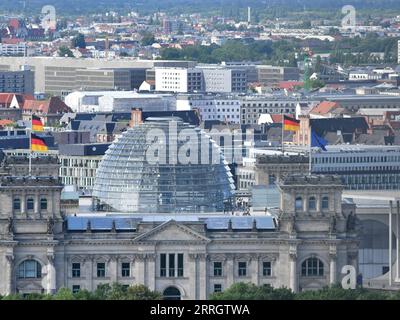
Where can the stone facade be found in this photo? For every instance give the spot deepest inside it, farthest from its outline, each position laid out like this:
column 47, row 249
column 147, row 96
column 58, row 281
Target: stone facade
column 304, row 248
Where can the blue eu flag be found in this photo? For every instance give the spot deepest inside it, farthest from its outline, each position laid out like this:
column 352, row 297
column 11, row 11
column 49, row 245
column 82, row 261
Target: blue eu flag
column 317, row 141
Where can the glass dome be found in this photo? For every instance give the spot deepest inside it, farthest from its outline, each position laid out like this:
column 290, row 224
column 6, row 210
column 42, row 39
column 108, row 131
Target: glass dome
column 147, row 170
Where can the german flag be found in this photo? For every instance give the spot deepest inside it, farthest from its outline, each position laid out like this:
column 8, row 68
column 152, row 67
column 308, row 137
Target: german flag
column 37, row 124
column 290, row 124
column 38, row 143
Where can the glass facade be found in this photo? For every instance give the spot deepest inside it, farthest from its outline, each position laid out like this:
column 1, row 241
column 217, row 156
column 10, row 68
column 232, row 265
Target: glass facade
column 155, row 168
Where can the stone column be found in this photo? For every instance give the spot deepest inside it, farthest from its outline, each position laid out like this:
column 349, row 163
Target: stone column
column 51, row 275
column 230, row 270
column 141, row 269
column 90, row 273
column 305, row 203
column 255, row 269
column 293, row 271
column 113, row 267
column 50, row 204
column 36, row 205
column 318, row 203
column 333, row 272
column 151, row 272
column 203, row 277
column 9, row 273
column 23, row 203
column 193, row 278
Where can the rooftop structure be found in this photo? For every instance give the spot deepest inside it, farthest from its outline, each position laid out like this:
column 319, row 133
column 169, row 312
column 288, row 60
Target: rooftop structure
column 148, row 169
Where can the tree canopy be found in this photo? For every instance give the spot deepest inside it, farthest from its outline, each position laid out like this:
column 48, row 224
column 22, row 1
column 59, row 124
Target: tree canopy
column 249, row 291
column 115, row 291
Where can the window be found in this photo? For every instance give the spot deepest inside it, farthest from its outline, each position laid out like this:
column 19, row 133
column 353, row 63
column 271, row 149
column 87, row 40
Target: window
column 29, row 204
column 242, row 269
column 325, row 203
column 217, row 269
column 298, row 203
column 30, row 269
column 76, row 270
column 101, row 269
column 312, row 203
column 180, row 264
column 76, row 288
column 43, row 204
column 171, row 265
column 163, row 265
column 17, row 204
column 125, row 269
column 267, row 270
column 217, row 287
column 312, row 267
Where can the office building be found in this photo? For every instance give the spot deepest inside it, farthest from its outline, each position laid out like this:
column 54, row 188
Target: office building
column 272, row 75
column 17, row 82
column 79, row 163
column 361, row 167
column 194, row 256
column 180, row 80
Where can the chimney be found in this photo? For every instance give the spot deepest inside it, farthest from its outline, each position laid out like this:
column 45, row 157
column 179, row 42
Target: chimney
column 136, row 117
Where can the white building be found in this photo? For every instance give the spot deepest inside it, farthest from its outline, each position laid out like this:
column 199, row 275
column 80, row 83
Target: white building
column 118, row 101
column 179, row 80
column 224, row 80
column 222, row 108
column 18, row 49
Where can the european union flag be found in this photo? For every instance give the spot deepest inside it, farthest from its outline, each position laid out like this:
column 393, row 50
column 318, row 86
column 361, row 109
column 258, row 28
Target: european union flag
column 317, row 141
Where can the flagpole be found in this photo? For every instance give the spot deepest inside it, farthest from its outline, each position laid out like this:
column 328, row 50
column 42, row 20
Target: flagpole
column 30, row 147
column 310, row 153
column 283, row 124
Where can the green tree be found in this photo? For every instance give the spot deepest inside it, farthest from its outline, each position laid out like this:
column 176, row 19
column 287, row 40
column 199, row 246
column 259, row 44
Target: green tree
column 64, row 294
column 79, row 41
column 15, row 296
column 83, row 295
column 141, row 292
column 147, row 39
column 249, row 291
column 63, row 51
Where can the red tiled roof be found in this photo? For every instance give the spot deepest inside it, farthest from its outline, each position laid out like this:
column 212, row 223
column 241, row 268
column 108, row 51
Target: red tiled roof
column 52, row 106
column 5, row 122
column 277, row 118
column 289, row 85
column 325, row 107
column 11, row 40
column 6, row 98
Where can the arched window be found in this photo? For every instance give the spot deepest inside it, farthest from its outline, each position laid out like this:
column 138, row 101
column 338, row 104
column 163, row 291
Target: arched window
column 17, row 204
column 43, row 204
column 29, row 204
column 298, row 203
column 29, row 269
column 312, row 203
column 325, row 203
column 172, row 293
column 312, row 267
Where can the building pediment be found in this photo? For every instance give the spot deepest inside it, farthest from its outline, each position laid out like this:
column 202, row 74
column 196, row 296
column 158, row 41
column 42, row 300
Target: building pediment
column 172, row 231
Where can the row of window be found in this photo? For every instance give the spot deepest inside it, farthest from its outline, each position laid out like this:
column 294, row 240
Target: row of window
column 101, row 270
column 242, row 269
column 171, row 265
column 357, row 159
column 30, row 204
column 312, row 203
